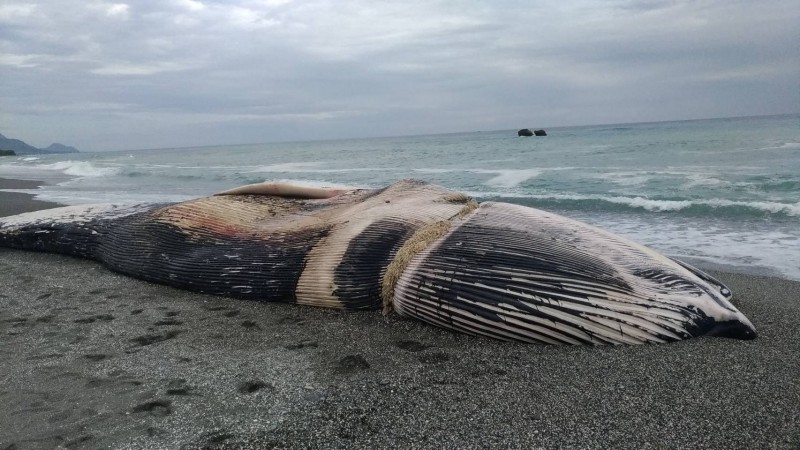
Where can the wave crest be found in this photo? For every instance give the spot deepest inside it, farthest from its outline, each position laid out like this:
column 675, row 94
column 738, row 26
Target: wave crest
column 78, row 169
column 715, row 206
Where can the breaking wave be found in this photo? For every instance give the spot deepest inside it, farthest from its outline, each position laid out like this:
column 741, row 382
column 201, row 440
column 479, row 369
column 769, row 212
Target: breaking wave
column 707, row 207
column 72, row 168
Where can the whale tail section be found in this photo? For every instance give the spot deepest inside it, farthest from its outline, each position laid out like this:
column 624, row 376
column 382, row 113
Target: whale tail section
column 70, row 230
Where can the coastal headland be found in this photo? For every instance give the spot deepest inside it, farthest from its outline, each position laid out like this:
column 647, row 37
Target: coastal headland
column 95, row 359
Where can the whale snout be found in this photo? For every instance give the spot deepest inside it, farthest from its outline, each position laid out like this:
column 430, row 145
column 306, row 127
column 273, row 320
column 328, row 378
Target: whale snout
column 739, row 328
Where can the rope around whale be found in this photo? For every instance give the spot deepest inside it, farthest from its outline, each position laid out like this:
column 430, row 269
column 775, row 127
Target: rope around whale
column 418, row 242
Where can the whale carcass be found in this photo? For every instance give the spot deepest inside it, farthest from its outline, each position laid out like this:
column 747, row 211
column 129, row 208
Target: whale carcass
column 493, row 269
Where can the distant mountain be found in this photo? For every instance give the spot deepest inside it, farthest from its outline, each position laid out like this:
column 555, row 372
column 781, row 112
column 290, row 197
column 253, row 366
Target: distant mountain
column 17, row 146
column 60, row 148
column 21, row 148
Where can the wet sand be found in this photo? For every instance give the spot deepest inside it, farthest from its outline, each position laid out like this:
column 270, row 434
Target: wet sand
column 17, row 202
column 94, row 359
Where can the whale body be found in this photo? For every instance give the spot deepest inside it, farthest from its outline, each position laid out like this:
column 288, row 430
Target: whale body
column 494, row 269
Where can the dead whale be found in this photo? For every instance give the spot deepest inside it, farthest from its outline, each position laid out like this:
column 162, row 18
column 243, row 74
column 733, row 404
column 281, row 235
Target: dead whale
column 499, row 270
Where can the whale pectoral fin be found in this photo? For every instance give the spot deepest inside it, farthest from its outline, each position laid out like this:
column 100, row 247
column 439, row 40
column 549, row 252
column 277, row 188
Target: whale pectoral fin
column 285, row 190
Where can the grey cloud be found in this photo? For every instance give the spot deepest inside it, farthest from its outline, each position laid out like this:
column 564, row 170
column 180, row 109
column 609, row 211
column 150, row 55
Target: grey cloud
column 116, row 74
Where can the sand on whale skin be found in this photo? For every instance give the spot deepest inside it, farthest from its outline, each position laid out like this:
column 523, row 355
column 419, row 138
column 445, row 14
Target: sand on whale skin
column 90, row 358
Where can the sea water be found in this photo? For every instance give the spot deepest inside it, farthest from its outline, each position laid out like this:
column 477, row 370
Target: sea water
column 721, row 193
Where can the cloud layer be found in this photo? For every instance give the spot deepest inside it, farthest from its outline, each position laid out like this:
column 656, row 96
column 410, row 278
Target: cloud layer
column 106, row 75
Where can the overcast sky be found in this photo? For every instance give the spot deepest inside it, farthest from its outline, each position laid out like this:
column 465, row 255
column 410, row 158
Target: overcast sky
column 112, row 75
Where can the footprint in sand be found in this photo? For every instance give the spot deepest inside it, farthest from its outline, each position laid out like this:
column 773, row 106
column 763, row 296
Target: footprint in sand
column 351, row 364
column 249, row 387
column 158, row 407
column 411, row 346
column 152, row 338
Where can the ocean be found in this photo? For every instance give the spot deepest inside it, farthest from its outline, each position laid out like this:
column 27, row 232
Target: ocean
column 720, row 193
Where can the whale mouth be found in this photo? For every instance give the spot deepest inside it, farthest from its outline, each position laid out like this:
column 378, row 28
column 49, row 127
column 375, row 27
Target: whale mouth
column 734, row 329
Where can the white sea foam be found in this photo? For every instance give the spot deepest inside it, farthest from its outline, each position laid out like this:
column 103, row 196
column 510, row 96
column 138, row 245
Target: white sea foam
column 649, row 205
column 82, row 169
column 775, row 146
column 73, row 168
column 677, row 205
column 790, row 209
column 640, row 178
column 432, row 170
column 504, row 178
column 290, row 167
column 785, row 146
column 635, row 202
column 31, row 158
column 310, row 167
column 702, row 179
column 626, row 178
column 510, row 178
column 720, row 243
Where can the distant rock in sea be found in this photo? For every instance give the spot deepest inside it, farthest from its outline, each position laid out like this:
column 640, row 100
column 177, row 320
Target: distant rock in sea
column 526, row 132
column 21, row 148
column 7, row 153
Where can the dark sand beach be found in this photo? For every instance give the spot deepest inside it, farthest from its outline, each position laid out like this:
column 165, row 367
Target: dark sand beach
column 17, row 202
column 93, row 359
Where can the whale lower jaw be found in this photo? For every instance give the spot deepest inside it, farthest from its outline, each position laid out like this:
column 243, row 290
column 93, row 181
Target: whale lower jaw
column 734, row 329
column 516, row 273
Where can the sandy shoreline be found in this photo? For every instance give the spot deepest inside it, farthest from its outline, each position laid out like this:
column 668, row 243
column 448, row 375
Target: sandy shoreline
column 17, row 202
column 93, row 359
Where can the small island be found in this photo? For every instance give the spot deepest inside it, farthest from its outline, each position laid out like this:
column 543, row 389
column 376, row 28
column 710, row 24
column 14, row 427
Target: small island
column 7, row 152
